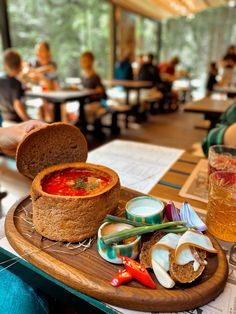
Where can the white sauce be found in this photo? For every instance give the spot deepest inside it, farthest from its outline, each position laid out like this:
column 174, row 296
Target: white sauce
column 145, row 211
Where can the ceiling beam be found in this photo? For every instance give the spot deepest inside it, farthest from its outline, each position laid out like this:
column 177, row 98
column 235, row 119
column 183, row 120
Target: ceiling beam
column 135, row 7
column 165, row 6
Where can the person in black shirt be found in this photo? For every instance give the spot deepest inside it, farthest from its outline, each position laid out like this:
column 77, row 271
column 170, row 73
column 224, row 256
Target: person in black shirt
column 211, row 80
column 12, row 107
column 149, row 72
column 90, row 79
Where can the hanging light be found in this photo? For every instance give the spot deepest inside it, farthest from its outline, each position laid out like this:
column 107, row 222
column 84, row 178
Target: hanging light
column 231, row 3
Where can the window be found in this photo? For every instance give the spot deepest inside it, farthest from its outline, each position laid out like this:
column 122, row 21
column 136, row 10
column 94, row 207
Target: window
column 146, row 35
column 136, row 34
column 71, row 27
column 199, row 40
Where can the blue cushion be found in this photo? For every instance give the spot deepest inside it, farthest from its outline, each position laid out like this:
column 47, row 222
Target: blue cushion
column 18, row 297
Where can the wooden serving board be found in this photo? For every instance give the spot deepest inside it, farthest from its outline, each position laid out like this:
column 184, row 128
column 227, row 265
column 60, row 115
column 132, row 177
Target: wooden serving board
column 87, row 272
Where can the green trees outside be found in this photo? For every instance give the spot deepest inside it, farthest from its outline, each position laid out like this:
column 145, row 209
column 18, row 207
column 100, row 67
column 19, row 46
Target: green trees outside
column 74, row 26
column 199, row 40
column 71, row 27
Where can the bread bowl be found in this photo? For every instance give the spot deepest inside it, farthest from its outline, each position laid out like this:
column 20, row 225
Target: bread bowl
column 72, row 218
column 69, row 211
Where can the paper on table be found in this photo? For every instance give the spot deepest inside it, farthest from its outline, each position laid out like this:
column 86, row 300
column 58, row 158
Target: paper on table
column 140, row 166
column 196, row 186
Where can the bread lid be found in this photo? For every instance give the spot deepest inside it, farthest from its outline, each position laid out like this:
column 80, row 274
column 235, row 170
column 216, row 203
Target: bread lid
column 50, row 145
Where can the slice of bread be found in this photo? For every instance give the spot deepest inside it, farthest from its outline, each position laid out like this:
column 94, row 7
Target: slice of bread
column 186, row 273
column 145, row 255
column 50, row 145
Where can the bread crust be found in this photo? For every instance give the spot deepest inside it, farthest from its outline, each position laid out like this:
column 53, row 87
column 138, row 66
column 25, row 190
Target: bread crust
column 72, row 218
column 145, row 255
column 49, row 145
column 185, row 273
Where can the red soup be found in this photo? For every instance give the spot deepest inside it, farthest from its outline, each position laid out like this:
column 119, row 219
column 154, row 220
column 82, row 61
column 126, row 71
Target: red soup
column 75, row 182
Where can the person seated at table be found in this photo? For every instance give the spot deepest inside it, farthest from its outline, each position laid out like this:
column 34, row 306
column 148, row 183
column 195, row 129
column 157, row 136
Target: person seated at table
column 12, row 106
column 224, row 132
column 90, row 79
column 148, row 71
column 44, row 71
column 211, row 80
column 123, row 68
column 229, row 60
column 16, row 296
column 136, row 65
column 168, row 69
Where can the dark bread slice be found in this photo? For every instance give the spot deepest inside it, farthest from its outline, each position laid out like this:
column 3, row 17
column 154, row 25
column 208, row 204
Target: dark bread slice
column 145, row 255
column 186, row 273
column 50, row 145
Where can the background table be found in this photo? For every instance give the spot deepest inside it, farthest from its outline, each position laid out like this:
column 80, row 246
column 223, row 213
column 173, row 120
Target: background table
column 225, row 89
column 129, row 85
column 211, row 108
column 59, row 97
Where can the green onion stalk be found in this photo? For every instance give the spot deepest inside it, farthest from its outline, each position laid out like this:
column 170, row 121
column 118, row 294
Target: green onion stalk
column 127, row 233
column 111, row 218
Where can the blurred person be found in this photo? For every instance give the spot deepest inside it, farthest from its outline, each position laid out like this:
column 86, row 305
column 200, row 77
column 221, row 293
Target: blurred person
column 168, row 69
column 12, row 106
column 225, row 131
column 211, row 80
column 137, row 64
column 123, row 69
column 229, row 59
column 44, row 68
column 227, row 67
column 148, row 71
column 90, row 79
column 44, row 71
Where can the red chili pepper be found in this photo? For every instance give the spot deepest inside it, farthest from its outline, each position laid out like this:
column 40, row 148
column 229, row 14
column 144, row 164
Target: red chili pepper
column 121, row 277
column 138, row 271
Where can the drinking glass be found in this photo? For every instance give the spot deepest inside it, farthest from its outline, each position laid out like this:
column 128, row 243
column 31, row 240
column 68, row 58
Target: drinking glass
column 221, row 158
column 221, row 207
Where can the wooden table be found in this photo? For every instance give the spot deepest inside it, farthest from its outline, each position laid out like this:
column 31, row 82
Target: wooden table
column 211, row 108
column 227, row 89
column 129, row 85
column 59, row 97
column 167, row 189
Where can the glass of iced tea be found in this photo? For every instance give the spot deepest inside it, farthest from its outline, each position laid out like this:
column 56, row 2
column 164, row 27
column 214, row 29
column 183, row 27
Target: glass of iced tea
column 221, row 207
column 221, row 158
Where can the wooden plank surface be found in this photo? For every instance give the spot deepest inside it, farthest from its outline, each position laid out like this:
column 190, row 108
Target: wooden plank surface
column 208, row 105
column 171, row 183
